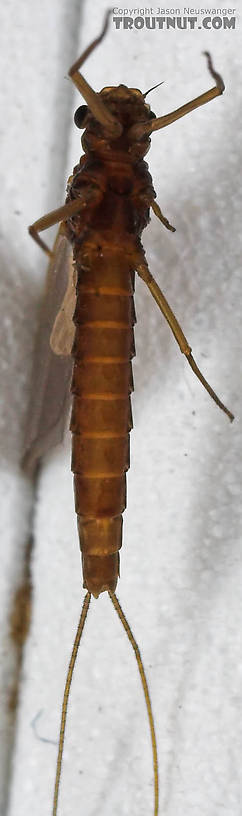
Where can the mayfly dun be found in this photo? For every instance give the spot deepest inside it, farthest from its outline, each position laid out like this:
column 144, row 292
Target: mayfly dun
column 98, row 247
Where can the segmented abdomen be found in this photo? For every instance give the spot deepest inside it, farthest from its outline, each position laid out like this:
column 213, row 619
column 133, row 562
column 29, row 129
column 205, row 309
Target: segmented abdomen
column 101, row 415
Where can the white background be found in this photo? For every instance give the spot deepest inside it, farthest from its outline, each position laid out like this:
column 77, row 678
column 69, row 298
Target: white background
column 181, row 563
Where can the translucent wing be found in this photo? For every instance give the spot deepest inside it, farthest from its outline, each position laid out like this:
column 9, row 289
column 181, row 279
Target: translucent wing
column 62, row 335
column 50, row 387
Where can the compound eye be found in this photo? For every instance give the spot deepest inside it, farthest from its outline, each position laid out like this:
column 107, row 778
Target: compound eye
column 80, row 116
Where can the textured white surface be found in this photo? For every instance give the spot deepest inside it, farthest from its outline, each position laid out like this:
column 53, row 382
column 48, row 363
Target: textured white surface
column 181, row 564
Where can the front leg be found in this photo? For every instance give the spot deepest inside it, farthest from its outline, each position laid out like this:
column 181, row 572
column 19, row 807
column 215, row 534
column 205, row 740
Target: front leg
column 137, row 131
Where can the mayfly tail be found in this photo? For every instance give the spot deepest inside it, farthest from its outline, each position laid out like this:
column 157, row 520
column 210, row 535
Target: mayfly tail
column 136, row 650
column 74, row 654
column 72, row 663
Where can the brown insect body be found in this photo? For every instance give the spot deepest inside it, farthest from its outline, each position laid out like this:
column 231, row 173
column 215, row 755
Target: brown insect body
column 121, row 191
column 107, row 207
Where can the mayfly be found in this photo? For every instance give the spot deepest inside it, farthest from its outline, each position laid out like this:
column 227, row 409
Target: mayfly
column 107, row 207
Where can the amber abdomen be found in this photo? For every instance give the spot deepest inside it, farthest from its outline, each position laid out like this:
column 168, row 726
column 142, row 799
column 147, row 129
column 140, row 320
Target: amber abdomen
column 101, row 414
